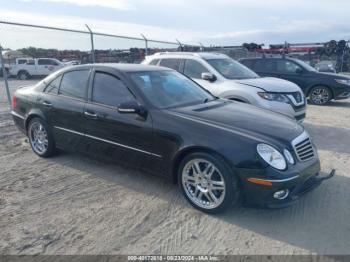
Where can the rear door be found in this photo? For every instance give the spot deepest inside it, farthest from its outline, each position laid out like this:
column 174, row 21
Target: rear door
column 124, row 137
column 291, row 71
column 265, row 67
column 63, row 103
column 46, row 66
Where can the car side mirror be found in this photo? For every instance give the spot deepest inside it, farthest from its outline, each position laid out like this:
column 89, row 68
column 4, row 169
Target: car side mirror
column 299, row 71
column 208, row 77
column 132, row 107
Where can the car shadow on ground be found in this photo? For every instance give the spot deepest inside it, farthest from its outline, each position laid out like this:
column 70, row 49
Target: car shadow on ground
column 339, row 103
column 318, row 222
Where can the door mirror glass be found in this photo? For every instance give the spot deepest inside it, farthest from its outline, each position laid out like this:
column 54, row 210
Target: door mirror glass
column 131, row 107
column 209, row 77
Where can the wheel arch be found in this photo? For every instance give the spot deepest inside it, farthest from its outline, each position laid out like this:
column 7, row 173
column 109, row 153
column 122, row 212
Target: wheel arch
column 33, row 114
column 189, row 150
column 321, row 85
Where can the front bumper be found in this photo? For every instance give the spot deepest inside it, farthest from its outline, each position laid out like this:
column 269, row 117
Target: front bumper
column 298, row 181
column 341, row 92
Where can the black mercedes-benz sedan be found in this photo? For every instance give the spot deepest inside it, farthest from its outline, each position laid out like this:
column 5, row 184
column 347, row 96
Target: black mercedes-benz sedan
column 219, row 151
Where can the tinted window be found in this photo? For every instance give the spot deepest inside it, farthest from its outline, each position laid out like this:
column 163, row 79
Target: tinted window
column 194, row 69
column 21, row 61
column 109, row 90
column 154, row 62
column 54, row 85
column 264, row 65
column 46, row 62
column 248, row 63
column 166, row 89
column 74, row 83
column 285, row 66
column 231, row 69
column 171, row 63
column 30, row 62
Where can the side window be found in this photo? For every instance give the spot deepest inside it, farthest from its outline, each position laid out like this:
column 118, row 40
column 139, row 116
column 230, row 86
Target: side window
column 171, row 63
column 285, row 66
column 248, row 63
column 109, row 90
column 54, row 85
column 74, row 83
column 194, row 69
column 43, row 62
column 259, row 65
column 31, row 62
column 21, row 61
column 154, row 62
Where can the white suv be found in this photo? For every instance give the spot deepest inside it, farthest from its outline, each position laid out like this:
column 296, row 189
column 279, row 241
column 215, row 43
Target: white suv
column 227, row 78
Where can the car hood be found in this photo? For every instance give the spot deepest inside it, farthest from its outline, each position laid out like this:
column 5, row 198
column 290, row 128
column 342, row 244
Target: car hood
column 270, row 84
column 332, row 75
column 242, row 119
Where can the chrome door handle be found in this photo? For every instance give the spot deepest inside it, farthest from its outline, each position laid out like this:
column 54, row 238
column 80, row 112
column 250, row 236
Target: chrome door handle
column 45, row 103
column 92, row 115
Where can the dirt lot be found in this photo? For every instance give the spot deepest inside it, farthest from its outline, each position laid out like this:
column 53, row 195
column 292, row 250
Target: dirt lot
column 72, row 204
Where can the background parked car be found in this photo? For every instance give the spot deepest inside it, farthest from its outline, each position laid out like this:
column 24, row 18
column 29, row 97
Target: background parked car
column 319, row 87
column 326, row 67
column 25, row 68
column 226, row 78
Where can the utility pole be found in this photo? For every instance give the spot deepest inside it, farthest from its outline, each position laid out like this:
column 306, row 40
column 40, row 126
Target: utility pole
column 92, row 44
column 4, row 73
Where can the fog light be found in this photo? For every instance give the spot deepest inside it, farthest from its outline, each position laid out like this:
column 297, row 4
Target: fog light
column 282, row 194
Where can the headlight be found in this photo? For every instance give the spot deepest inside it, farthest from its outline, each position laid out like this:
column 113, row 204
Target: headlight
column 343, row 81
column 274, row 97
column 288, row 156
column 271, row 156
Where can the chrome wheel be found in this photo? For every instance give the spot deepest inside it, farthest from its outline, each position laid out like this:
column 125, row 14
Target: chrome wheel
column 320, row 96
column 203, row 183
column 38, row 138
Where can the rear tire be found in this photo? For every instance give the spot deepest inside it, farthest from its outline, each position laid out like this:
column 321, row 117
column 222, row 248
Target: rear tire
column 320, row 95
column 23, row 75
column 40, row 138
column 207, row 182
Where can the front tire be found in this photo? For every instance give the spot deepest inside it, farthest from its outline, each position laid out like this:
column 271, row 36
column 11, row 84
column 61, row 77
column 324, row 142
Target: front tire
column 320, row 95
column 207, row 182
column 40, row 138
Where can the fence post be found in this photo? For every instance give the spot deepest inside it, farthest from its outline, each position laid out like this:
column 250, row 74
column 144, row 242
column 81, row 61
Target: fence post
column 92, row 44
column 181, row 48
column 146, row 44
column 4, row 75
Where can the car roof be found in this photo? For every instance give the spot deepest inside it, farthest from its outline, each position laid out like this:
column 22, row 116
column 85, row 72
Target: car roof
column 275, row 58
column 204, row 55
column 120, row 67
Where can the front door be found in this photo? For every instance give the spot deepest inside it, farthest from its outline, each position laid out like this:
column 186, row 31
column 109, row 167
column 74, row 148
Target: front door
column 126, row 138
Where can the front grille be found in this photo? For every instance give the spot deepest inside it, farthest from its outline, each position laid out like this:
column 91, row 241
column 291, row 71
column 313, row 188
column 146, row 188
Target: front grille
column 303, row 147
column 296, row 98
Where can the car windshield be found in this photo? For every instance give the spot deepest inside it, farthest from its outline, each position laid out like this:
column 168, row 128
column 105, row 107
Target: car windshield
column 167, row 89
column 306, row 66
column 231, row 69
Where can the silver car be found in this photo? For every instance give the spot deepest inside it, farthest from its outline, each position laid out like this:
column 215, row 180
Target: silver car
column 227, row 78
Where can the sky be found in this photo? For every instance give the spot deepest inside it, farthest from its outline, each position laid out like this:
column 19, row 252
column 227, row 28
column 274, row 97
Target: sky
column 210, row 22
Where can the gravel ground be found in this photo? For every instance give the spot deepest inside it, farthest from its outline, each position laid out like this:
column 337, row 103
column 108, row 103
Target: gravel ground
column 73, row 204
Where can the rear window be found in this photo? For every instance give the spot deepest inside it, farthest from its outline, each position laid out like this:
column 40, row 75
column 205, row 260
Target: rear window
column 74, row 84
column 171, row 63
column 54, row 85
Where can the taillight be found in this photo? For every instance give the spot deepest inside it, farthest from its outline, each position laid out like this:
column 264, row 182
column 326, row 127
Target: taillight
column 14, row 101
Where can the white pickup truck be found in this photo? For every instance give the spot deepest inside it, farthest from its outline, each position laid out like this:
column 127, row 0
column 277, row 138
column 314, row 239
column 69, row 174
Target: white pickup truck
column 25, row 68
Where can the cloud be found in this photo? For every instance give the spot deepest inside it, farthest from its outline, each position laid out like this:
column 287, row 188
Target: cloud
column 114, row 4
column 18, row 37
column 292, row 32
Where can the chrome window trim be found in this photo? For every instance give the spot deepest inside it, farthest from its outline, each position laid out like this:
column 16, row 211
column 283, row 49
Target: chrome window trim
column 17, row 115
column 107, row 141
